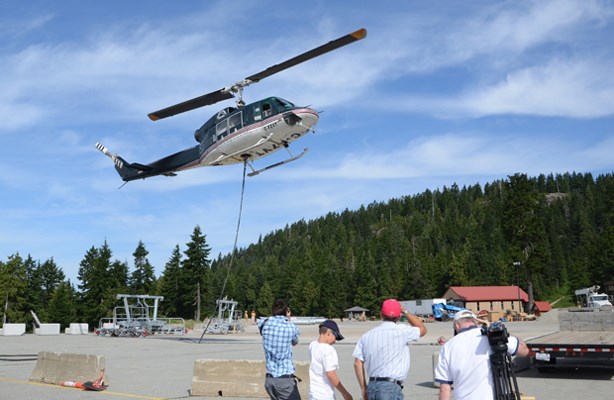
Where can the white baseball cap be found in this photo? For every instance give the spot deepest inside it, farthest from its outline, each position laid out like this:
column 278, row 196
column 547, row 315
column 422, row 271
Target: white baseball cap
column 464, row 314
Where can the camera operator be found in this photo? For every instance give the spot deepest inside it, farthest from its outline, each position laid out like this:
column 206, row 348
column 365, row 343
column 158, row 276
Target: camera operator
column 464, row 361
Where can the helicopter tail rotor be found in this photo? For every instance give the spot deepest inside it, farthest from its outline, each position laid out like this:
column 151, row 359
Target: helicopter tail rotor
column 117, row 160
column 127, row 171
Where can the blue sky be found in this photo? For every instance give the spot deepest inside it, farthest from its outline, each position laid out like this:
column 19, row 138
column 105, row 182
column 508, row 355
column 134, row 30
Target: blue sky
column 438, row 93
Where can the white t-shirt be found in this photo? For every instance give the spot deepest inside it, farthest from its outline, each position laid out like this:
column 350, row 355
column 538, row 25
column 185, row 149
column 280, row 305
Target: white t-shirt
column 464, row 363
column 323, row 358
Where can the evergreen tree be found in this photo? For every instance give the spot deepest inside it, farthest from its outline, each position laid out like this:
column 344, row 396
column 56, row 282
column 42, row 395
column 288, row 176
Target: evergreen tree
column 101, row 280
column 62, row 305
column 51, row 277
column 195, row 277
column 169, row 286
column 35, row 296
column 13, row 284
column 142, row 279
column 521, row 223
column 265, row 300
column 560, row 227
column 42, row 279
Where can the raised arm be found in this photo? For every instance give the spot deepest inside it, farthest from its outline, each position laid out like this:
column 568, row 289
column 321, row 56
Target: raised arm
column 414, row 321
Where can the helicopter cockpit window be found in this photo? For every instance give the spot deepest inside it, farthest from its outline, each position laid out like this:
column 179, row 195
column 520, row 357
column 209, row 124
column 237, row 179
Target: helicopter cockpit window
column 235, row 122
column 221, row 129
column 284, row 104
column 210, row 137
column 266, row 110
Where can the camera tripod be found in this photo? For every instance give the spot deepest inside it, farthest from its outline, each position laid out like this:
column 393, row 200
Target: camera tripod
column 506, row 386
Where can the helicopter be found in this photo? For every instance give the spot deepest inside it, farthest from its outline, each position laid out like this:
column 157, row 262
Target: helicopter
column 238, row 134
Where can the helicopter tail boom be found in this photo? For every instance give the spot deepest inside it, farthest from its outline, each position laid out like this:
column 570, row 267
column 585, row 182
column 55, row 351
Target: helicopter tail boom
column 127, row 171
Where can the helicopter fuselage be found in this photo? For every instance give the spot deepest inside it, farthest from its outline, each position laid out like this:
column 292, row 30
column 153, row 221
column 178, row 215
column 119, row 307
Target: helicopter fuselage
column 235, row 135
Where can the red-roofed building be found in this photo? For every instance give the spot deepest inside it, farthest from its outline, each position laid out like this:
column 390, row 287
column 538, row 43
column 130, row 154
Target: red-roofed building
column 541, row 307
column 489, row 298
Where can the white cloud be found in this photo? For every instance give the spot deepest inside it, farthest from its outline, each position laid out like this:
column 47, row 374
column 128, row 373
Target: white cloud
column 467, row 154
column 561, row 88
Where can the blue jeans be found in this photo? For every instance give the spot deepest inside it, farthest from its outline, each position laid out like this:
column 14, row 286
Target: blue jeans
column 384, row 391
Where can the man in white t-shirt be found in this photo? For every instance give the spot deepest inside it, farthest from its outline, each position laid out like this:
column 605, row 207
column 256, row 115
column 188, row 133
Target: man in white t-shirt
column 324, row 364
column 464, row 361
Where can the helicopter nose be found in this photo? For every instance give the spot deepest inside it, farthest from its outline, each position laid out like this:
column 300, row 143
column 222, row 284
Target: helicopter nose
column 309, row 119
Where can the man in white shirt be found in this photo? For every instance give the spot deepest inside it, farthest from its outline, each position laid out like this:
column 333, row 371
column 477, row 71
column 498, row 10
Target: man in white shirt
column 324, row 364
column 385, row 352
column 464, row 361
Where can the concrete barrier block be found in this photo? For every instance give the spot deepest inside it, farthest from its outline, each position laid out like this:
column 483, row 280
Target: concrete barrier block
column 77, row 329
column 580, row 320
column 239, row 378
column 13, row 329
column 53, row 367
column 48, row 329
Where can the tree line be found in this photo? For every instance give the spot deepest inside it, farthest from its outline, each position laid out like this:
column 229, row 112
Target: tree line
column 560, row 228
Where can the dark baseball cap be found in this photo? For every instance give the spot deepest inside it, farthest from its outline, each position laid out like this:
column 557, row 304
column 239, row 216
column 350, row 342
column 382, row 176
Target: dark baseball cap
column 332, row 325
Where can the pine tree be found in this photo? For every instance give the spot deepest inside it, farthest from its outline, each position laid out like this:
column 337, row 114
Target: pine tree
column 142, row 279
column 13, row 284
column 265, row 300
column 62, row 305
column 51, row 276
column 169, row 286
column 101, row 280
column 195, row 276
column 35, row 296
column 521, row 223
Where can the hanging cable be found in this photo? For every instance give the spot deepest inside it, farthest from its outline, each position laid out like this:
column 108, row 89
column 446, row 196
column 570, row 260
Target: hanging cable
column 234, row 247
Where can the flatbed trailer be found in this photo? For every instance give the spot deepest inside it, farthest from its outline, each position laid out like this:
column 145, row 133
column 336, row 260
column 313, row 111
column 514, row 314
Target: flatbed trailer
column 574, row 341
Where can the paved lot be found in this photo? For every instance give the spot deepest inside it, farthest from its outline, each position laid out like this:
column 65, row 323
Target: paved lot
column 161, row 367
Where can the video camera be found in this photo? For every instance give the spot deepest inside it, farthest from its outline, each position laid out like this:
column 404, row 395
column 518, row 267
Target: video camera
column 497, row 334
column 505, row 384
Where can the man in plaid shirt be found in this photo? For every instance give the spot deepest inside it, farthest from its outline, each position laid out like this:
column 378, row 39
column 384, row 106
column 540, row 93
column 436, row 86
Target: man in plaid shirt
column 278, row 337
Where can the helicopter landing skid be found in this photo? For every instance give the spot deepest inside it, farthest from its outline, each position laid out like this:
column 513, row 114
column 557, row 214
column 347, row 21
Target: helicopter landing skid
column 292, row 158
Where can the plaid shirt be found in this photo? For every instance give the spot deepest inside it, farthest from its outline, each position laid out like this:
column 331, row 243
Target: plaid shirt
column 278, row 337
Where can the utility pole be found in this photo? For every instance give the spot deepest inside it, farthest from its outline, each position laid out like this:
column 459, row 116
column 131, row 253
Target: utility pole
column 517, row 265
column 6, row 307
column 197, row 311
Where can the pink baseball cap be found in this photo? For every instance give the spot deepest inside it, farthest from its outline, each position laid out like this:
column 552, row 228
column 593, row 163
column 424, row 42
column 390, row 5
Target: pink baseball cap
column 391, row 308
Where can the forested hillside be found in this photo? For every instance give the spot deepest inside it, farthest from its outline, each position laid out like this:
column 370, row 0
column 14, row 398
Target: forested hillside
column 559, row 227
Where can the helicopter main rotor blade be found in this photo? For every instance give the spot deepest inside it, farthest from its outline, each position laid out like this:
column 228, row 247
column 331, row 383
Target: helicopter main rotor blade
column 189, row 105
column 318, row 51
column 228, row 93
